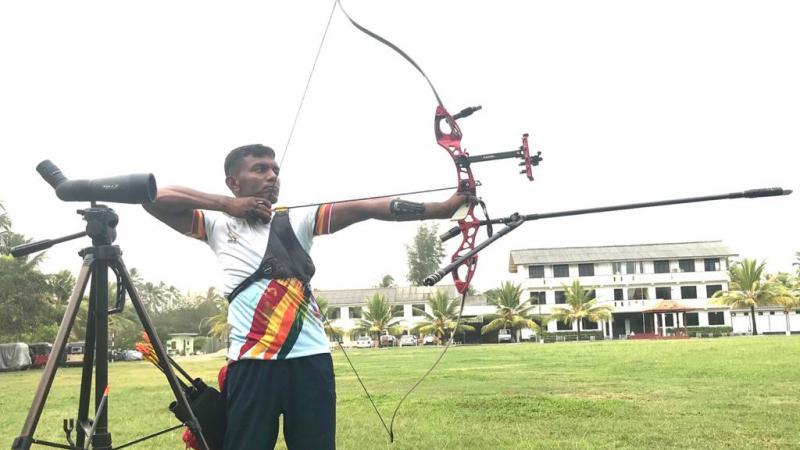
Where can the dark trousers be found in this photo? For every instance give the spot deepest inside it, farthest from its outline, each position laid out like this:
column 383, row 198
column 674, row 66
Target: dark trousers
column 302, row 389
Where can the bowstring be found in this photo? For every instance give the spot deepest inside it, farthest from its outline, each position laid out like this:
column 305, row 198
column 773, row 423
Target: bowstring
column 308, row 84
column 435, row 363
column 390, row 428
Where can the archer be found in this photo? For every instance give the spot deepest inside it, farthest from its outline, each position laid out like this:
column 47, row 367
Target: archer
column 279, row 358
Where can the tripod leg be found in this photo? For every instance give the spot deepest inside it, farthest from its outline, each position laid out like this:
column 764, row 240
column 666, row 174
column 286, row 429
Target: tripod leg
column 25, row 439
column 161, row 352
column 101, row 440
column 88, row 364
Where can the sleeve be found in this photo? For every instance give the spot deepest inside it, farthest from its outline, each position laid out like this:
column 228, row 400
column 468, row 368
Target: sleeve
column 322, row 219
column 202, row 226
column 310, row 223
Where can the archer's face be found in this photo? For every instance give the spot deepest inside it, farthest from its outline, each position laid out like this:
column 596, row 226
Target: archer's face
column 257, row 177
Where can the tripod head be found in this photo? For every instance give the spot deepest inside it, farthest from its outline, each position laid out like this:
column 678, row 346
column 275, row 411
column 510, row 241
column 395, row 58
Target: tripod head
column 101, row 226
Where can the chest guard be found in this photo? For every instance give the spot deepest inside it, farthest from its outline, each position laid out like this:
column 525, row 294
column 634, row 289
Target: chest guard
column 284, row 257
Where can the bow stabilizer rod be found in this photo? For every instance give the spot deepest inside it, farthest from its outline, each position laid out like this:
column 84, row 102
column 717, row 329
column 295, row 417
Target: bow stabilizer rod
column 515, row 220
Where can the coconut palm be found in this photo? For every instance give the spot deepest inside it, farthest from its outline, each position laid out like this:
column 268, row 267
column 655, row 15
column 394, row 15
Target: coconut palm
column 581, row 304
column 377, row 318
column 62, row 284
column 510, row 312
column 218, row 323
column 789, row 296
column 330, row 330
column 748, row 288
column 442, row 318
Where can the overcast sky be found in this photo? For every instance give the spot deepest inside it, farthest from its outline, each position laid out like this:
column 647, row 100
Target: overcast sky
column 629, row 101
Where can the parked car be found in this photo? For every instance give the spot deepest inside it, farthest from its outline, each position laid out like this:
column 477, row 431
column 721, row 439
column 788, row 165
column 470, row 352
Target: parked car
column 429, row 340
column 364, row 342
column 126, row 355
column 504, row 335
column 408, row 340
column 387, row 340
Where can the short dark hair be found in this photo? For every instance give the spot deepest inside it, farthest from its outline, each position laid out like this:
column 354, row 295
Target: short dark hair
column 238, row 154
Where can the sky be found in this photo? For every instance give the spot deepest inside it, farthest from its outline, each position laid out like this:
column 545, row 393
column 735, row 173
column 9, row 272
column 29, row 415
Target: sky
column 628, row 101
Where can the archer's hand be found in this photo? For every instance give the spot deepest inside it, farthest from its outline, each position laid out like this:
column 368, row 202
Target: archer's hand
column 251, row 208
column 451, row 205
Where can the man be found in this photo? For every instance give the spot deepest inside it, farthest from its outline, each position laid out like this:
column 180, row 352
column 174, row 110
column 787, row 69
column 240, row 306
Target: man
column 279, row 357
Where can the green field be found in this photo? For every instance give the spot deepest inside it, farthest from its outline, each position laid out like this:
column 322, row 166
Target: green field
column 695, row 394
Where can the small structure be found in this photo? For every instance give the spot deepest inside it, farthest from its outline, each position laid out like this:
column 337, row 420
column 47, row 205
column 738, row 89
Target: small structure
column 663, row 310
column 181, row 343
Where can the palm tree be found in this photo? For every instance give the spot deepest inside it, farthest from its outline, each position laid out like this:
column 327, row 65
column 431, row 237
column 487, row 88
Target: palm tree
column 789, row 297
column 62, row 284
column 442, row 318
column 510, row 312
column 582, row 304
column 747, row 288
column 218, row 323
column 330, row 330
column 377, row 318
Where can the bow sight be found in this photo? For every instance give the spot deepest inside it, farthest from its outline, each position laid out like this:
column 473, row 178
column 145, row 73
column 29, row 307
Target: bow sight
column 523, row 152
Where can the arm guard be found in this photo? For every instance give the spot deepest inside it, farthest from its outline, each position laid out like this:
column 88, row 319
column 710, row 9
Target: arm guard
column 403, row 210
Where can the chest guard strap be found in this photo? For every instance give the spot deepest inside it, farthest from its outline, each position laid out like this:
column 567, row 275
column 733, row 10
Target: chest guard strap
column 284, row 257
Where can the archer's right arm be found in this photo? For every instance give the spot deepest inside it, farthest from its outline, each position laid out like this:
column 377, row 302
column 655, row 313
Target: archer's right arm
column 175, row 206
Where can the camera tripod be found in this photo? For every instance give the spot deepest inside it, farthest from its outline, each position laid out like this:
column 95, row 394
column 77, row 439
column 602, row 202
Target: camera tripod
column 97, row 260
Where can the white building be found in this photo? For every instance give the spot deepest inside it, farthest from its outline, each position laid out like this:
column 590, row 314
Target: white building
column 633, row 279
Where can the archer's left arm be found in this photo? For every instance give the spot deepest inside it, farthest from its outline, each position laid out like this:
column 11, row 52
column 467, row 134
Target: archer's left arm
column 348, row 213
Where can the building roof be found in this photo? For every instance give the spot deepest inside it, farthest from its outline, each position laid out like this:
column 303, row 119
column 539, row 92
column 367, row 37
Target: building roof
column 607, row 253
column 669, row 306
column 395, row 295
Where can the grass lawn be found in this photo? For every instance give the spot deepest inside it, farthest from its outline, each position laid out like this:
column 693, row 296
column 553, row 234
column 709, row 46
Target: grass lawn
column 693, row 394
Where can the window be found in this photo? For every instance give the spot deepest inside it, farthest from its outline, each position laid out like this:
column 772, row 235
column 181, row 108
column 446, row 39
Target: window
column 587, row 324
column 591, row 294
column 354, row 312
column 664, row 293
column 668, row 320
column 538, row 298
column 692, row 319
column 716, row 318
column 711, row 264
column 772, row 313
column 712, row 288
column 618, row 294
column 686, row 265
column 616, row 268
column 561, row 270
column 637, row 294
column 418, row 309
column 661, row 266
column 561, row 297
column 586, row 270
column 562, row 326
column 334, row 313
column 632, row 267
column 688, row 291
column 760, row 313
column 397, row 311
column 535, row 271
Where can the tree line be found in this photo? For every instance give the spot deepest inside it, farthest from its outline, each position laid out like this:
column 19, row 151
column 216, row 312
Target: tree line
column 32, row 302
